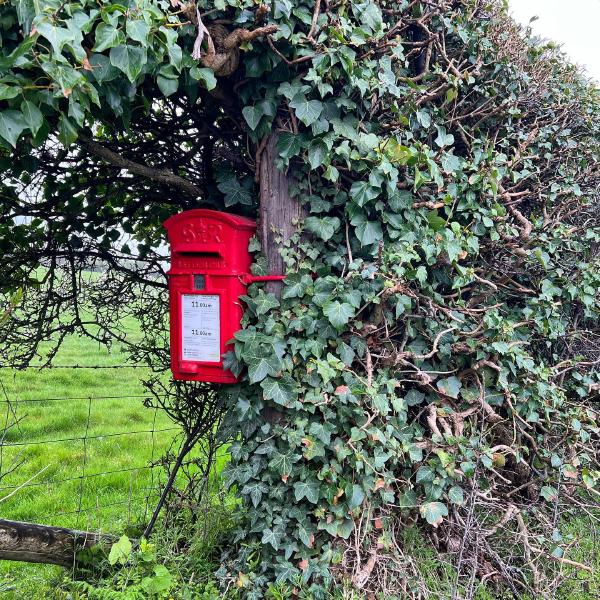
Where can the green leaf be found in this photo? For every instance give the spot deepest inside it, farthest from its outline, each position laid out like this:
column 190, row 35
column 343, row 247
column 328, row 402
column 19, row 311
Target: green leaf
column 273, row 537
column 160, row 582
column 120, row 551
column 549, row 493
column 57, row 36
column 138, row 30
column 308, row 490
column 263, row 303
column 288, row 144
column 362, row 192
column 107, row 36
column 235, row 192
column 12, row 124
column 308, row 111
column 357, row 497
column 368, row 232
column 317, row 153
column 283, row 463
column 255, row 490
column 281, row 391
column 338, row 313
column 261, row 367
column 167, row 81
column 7, row 92
column 252, row 115
column 207, row 76
column 450, row 386
column 456, row 495
column 324, row 227
column 67, row 133
column 32, row 115
column 129, row 59
column 444, row 139
column 435, row 221
column 434, row 512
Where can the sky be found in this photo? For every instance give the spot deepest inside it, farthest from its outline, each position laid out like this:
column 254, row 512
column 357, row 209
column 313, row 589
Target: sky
column 574, row 24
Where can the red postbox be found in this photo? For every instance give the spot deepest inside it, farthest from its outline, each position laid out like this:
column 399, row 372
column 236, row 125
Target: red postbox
column 210, row 270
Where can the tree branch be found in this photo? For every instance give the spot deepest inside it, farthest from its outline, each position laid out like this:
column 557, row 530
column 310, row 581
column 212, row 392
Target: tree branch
column 164, row 176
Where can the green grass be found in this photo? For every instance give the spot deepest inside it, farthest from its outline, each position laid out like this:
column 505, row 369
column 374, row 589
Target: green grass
column 55, row 404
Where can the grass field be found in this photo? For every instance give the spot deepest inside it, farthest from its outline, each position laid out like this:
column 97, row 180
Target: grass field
column 100, row 482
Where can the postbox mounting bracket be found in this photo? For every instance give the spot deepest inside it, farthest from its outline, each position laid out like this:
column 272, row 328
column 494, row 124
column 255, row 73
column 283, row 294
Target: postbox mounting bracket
column 248, row 279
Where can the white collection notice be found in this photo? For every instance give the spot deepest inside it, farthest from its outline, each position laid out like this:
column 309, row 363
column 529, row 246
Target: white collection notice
column 201, row 328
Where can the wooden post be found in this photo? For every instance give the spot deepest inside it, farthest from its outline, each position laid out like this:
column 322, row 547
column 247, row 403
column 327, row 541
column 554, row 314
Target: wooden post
column 279, row 214
column 30, row 542
column 278, row 211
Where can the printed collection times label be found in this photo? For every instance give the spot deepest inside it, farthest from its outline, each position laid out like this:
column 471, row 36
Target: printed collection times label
column 201, row 328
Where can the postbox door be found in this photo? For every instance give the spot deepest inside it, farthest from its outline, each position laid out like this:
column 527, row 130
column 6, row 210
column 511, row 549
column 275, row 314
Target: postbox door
column 207, row 313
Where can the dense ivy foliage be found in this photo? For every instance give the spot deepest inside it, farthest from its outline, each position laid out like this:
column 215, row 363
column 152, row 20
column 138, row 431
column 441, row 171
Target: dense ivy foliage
column 434, row 351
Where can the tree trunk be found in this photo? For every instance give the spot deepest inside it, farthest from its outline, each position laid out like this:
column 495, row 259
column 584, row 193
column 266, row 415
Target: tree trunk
column 29, row 542
column 279, row 213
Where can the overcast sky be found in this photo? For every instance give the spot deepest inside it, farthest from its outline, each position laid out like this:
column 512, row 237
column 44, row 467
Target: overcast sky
column 575, row 24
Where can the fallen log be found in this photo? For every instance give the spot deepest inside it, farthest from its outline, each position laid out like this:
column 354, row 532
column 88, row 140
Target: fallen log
column 34, row 543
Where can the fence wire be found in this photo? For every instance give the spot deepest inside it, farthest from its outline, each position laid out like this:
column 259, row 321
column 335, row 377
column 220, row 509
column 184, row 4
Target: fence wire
column 83, row 460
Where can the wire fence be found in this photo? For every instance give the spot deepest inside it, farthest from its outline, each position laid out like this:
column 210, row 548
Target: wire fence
column 80, row 451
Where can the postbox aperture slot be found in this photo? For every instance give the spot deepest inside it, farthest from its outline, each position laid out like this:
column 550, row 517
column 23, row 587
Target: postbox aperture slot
column 216, row 255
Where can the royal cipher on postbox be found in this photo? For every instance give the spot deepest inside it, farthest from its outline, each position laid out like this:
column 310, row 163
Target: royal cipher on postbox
column 210, row 270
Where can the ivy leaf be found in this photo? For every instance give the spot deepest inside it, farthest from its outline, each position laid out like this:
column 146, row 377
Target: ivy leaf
column 444, row 139
column 236, row 192
column 12, row 125
column 138, row 30
column 317, row 153
column 450, row 386
column 259, row 368
column 167, row 80
column 252, row 115
column 456, row 495
column 308, row 490
column 308, row 111
column 273, row 537
column 368, row 232
column 434, row 512
column 362, row 192
column 263, row 303
column 357, row 497
column 324, row 227
column 450, row 163
column 107, row 36
column 281, row 391
column 7, row 92
column 129, row 59
column 338, row 313
column 549, row 493
column 67, row 133
column 306, row 533
column 57, row 36
column 255, row 490
column 288, row 144
column 205, row 75
column 347, row 354
column 32, row 115
column 283, row 463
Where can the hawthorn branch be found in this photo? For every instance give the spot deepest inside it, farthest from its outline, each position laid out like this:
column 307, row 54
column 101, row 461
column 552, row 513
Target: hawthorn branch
column 164, row 176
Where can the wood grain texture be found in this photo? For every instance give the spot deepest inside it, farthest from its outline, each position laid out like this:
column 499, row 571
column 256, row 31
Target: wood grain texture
column 30, row 542
column 279, row 213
